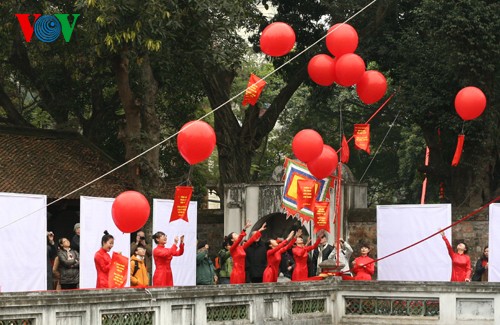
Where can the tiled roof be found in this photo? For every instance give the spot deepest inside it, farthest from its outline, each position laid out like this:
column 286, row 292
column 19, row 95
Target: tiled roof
column 54, row 163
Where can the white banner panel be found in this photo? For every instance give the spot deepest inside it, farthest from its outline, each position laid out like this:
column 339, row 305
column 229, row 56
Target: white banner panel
column 183, row 267
column 95, row 217
column 399, row 226
column 23, row 242
column 494, row 243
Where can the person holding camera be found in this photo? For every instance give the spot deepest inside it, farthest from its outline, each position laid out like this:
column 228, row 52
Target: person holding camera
column 140, row 240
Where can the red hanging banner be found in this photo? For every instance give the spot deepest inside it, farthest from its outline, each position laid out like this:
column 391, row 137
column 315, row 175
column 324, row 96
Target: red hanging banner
column 344, row 152
column 362, row 137
column 181, row 203
column 306, row 193
column 254, row 88
column 321, row 216
column 118, row 271
column 458, row 150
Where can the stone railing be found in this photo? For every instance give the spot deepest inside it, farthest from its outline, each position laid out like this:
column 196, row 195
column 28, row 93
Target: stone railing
column 319, row 302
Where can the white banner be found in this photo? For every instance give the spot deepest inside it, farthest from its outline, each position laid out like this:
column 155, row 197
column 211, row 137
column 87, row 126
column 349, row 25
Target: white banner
column 95, row 217
column 494, row 242
column 23, row 242
column 183, row 267
column 399, row 226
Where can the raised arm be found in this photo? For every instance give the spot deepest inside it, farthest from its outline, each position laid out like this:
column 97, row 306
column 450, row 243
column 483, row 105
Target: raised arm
column 180, row 251
column 448, row 246
column 316, row 244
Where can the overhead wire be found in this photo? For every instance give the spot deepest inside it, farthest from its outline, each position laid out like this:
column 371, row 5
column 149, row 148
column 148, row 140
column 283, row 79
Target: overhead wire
column 199, row 119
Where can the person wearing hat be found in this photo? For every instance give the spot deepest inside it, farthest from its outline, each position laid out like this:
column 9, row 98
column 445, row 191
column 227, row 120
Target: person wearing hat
column 75, row 241
column 205, row 271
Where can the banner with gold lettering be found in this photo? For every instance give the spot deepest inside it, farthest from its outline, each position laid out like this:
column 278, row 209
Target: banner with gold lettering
column 321, row 216
column 118, row 271
column 362, row 137
column 181, row 203
column 306, row 193
column 254, row 88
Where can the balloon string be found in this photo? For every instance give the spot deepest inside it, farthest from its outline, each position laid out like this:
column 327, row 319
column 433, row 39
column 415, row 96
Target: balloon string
column 463, row 127
column 189, row 125
column 434, row 234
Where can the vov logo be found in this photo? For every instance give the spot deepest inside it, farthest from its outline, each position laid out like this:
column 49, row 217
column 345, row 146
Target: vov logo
column 47, row 28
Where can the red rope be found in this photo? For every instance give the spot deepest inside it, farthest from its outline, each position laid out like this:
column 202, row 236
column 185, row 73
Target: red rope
column 438, row 232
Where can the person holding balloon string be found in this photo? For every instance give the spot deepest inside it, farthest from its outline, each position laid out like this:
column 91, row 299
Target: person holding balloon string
column 163, row 257
column 238, row 253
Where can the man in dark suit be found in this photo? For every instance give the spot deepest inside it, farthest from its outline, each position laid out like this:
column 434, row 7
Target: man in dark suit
column 319, row 255
column 256, row 261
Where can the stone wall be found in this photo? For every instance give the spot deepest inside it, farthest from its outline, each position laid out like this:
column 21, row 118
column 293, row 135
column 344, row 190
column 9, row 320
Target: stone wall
column 328, row 301
column 211, row 229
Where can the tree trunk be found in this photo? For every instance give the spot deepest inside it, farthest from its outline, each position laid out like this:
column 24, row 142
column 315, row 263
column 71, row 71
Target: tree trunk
column 237, row 144
column 142, row 128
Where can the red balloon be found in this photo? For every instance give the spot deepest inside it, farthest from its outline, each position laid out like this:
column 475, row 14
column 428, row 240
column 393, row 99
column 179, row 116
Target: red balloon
column 307, row 145
column 325, row 164
column 277, row 39
column 321, row 69
column 196, row 141
column 371, row 87
column 130, row 211
column 349, row 68
column 343, row 40
column 470, row 103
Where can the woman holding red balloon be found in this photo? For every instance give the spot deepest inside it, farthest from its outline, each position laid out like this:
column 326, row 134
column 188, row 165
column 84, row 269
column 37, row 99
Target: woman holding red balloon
column 162, row 257
column 102, row 260
column 238, row 253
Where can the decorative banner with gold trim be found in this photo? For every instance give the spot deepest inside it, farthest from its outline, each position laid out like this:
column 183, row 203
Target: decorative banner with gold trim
column 118, row 271
column 306, row 190
column 181, row 203
column 254, row 88
column 321, row 216
column 295, row 171
column 362, row 137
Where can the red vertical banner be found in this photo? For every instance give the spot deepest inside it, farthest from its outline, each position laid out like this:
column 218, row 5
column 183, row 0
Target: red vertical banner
column 338, row 210
column 254, row 88
column 321, row 216
column 424, row 184
column 344, row 152
column 362, row 137
column 306, row 193
column 458, row 150
column 118, row 271
column 181, row 203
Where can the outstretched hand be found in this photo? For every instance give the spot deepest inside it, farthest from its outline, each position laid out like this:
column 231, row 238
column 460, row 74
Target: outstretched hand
column 247, row 225
column 182, row 239
column 290, row 235
column 263, row 227
column 176, row 239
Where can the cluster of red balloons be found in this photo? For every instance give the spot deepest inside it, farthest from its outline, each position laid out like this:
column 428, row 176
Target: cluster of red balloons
column 346, row 68
column 470, row 103
column 321, row 159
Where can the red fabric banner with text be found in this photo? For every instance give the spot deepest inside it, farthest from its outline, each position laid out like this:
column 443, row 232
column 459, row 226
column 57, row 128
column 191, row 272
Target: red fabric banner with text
column 254, row 88
column 118, row 271
column 181, row 203
column 362, row 137
column 458, row 150
column 321, row 216
column 306, row 193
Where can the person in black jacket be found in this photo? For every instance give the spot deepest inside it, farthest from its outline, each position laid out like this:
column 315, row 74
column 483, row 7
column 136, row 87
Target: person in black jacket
column 481, row 270
column 319, row 255
column 256, row 261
